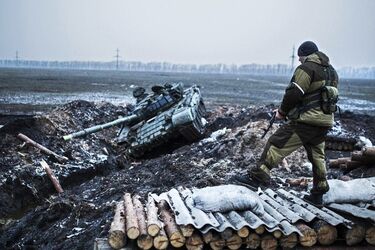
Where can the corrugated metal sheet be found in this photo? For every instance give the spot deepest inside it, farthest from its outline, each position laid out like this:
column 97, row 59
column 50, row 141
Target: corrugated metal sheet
column 282, row 210
column 325, row 214
column 360, row 212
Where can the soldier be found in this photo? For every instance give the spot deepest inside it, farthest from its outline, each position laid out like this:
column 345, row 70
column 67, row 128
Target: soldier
column 308, row 122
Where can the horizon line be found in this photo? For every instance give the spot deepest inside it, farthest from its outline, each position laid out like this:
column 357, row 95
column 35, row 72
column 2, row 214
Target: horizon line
column 169, row 62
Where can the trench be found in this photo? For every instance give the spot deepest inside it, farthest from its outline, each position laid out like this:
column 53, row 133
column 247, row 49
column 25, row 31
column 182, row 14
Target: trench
column 25, row 192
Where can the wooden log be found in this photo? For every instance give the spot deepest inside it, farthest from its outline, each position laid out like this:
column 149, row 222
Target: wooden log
column 335, row 163
column 368, row 155
column 343, row 166
column 350, row 165
column 226, row 234
column 308, row 237
column 277, row 234
column 326, row 234
column 187, row 230
column 369, row 152
column 207, row 237
column 194, row 242
column 260, row 230
column 161, row 240
column 370, row 235
column 302, row 181
column 43, row 149
column 268, row 242
column 153, row 223
column 175, row 236
column 52, row 177
column 144, row 241
column 365, row 160
column 252, row 241
column 355, row 235
column 357, row 156
column 289, row 242
column 117, row 233
column 234, row 242
column 354, row 164
column 131, row 221
column 217, row 243
column 243, row 232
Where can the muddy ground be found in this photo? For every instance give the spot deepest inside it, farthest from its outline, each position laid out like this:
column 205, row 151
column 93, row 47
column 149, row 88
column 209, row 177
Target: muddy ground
column 97, row 174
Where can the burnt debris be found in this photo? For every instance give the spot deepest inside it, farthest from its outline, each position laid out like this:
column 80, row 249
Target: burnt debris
column 98, row 173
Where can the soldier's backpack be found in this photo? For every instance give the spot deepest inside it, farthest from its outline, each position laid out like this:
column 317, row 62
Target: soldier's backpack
column 325, row 97
column 330, row 97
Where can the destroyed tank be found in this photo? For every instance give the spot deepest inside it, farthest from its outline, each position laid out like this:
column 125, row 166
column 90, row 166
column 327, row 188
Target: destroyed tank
column 168, row 112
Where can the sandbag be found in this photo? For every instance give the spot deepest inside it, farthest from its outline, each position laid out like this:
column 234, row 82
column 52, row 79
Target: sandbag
column 226, row 198
column 353, row 191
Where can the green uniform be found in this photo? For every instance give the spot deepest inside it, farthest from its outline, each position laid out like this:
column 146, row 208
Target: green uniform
column 308, row 124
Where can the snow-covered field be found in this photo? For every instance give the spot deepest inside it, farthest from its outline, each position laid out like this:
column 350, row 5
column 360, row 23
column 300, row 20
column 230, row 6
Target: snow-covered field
column 30, row 90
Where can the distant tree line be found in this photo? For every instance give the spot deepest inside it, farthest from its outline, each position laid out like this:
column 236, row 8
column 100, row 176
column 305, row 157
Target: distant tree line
column 254, row 69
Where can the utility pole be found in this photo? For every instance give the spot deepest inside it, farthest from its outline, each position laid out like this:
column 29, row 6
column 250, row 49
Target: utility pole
column 293, row 56
column 117, row 57
column 17, row 58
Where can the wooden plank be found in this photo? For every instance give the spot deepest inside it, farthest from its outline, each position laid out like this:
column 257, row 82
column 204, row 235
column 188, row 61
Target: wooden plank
column 42, row 148
column 52, row 177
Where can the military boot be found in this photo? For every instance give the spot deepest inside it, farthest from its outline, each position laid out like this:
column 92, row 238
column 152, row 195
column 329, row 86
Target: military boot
column 261, row 174
column 316, row 193
column 315, row 199
column 256, row 177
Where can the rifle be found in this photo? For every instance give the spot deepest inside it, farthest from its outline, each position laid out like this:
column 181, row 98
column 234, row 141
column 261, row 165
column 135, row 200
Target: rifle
column 271, row 121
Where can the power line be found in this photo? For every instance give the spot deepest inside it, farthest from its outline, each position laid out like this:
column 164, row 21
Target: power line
column 117, row 57
column 293, row 57
column 17, row 58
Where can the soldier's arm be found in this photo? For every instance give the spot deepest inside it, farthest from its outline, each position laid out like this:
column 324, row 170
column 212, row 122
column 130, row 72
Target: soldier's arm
column 294, row 92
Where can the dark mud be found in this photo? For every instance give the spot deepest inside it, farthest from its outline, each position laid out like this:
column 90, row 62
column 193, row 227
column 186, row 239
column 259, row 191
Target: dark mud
column 97, row 173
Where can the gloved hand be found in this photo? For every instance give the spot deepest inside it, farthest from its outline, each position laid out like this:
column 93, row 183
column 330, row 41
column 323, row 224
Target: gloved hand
column 279, row 116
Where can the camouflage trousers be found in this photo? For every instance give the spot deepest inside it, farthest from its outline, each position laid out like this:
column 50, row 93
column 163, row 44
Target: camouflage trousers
column 286, row 140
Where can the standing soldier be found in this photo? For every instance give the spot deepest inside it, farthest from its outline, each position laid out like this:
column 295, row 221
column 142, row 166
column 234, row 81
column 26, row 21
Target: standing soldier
column 308, row 103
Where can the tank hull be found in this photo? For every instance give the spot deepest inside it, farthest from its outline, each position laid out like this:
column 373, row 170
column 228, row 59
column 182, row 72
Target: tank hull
column 184, row 118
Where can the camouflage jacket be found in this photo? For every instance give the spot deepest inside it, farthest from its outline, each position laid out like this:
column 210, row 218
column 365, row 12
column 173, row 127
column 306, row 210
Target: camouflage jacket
column 309, row 77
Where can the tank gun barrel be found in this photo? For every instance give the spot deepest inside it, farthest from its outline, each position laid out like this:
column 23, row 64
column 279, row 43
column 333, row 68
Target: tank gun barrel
column 86, row 131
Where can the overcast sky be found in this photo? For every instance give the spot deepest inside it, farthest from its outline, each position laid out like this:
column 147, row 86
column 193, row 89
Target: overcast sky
column 187, row 31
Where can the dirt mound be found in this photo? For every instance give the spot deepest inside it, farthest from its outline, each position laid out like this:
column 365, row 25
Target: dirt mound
column 24, row 182
column 97, row 174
